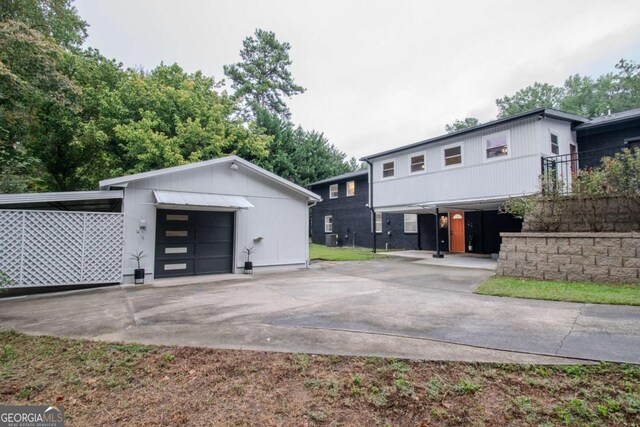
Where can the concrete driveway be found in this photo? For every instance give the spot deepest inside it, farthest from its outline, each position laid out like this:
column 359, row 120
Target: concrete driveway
column 391, row 307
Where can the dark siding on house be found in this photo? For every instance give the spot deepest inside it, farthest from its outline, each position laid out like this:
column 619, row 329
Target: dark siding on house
column 482, row 229
column 605, row 137
column 427, row 229
column 610, row 136
column 352, row 218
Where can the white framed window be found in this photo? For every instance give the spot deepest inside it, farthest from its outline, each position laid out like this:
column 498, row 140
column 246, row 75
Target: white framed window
column 555, row 143
column 328, row 224
column 351, row 188
column 173, row 217
column 452, row 155
column 410, row 223
column 417, row 163
column 378, row 223
column 333, row 191
column 497, row 146
column 389, row 169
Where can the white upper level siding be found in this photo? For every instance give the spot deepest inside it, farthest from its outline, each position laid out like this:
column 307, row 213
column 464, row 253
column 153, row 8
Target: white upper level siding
column 477, row 177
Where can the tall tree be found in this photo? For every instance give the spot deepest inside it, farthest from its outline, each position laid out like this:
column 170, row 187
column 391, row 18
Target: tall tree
column 57, row 19
column 626, row 86
column 298, row 155
column 582, row 95
column 34, row 92
column 529, row 98
column 468, row 122
column 262, row 79
column 172, row 117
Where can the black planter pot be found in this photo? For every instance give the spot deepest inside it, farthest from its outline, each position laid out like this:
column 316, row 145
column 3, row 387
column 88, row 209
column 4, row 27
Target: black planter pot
column 248, row 267
column 138, row 276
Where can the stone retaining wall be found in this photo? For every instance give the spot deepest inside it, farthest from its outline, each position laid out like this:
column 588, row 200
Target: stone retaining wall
column 587, row 257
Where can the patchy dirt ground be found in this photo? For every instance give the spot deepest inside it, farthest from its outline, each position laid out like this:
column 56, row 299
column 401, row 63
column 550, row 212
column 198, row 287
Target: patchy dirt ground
column 105, row 384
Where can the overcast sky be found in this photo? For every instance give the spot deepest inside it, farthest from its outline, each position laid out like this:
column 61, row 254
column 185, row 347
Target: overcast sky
column 380, row 74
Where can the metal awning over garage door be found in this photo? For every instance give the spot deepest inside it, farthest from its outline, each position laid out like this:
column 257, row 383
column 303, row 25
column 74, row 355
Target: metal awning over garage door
column 180, row 198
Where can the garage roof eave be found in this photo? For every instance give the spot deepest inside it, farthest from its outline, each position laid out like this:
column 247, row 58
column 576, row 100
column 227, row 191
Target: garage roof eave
column 123, row 180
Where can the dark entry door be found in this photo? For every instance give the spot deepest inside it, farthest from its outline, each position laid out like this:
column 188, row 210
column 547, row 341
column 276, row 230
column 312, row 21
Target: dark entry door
column 193, row 242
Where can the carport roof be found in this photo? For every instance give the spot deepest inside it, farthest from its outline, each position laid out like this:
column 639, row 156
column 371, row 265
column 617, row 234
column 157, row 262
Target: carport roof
column 67, row 200
column 483, row 203
column 123, row 180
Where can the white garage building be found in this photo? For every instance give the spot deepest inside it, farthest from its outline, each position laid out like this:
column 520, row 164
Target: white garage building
column 188, row 220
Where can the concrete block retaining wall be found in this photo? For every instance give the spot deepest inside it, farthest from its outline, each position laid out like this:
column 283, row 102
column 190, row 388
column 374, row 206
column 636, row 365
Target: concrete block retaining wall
column 586, row 257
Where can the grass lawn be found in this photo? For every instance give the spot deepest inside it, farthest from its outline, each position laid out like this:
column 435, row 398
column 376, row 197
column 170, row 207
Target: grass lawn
column 110, row 384
column 325, row 253
column 597, row 293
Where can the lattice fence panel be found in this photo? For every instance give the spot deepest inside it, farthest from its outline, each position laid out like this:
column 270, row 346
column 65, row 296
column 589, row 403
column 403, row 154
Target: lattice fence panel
column 40, row 248
column 11, row 244
column 103, row 248
column 52, row 248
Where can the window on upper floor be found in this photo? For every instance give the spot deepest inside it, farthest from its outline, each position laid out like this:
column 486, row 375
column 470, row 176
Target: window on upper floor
column 416, row 163
column 555, row 145
column 389, row 169
column 378, row 223
column 452, row 155
column 333, row 191
column 410, row 223
column 328, row 224
column 496, row 146
column 351, row 188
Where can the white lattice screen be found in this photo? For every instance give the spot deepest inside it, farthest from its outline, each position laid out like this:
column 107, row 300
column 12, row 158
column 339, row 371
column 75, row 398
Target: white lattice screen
column 44, row 248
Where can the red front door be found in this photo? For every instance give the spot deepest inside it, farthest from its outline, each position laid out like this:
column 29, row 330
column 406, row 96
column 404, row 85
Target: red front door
column 456, row 231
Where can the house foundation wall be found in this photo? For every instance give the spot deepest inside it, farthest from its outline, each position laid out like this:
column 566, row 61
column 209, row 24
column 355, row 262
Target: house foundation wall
column 584, row 257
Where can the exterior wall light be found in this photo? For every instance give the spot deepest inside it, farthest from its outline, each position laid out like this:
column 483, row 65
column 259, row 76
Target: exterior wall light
column 233, row 166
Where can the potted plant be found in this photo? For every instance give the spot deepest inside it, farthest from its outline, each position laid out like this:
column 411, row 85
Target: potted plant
column 248, row 265
column 138, row 273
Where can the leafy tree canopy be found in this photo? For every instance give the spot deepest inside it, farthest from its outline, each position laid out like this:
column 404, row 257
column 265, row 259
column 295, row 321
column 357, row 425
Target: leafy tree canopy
column 298, row 155
column 262, row 79
column 468, row 122
column 53, row 18
column 582, row 95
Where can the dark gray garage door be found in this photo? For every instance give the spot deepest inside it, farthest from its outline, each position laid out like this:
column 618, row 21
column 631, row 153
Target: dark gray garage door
column 193, row 242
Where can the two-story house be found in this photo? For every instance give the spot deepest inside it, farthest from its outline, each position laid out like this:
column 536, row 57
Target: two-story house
column 344, row 218
column 456, row 182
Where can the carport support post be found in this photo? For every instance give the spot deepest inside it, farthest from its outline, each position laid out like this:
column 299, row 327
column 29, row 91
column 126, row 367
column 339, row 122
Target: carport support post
column 373, row 211
column 438, row 254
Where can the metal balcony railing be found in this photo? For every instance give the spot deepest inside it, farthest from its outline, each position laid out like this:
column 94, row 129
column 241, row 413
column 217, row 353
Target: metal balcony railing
column 558, row 172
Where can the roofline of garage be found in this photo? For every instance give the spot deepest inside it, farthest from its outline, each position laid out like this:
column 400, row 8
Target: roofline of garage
column 123, row 180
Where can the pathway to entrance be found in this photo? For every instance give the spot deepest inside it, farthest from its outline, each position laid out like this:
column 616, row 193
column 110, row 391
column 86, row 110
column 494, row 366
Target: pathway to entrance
column 449, row 260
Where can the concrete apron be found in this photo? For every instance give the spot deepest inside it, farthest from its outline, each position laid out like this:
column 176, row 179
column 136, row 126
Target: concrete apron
column 391, row 307
column 456, row 260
